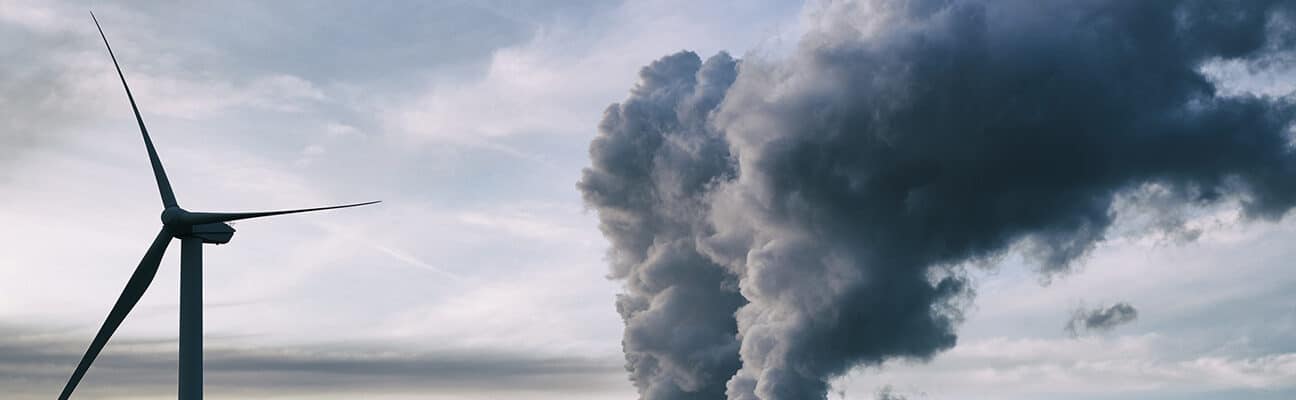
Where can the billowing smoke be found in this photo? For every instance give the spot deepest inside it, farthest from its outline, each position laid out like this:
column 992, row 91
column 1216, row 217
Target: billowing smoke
column 1100, row 319
column 653, row 164
column 821, row 206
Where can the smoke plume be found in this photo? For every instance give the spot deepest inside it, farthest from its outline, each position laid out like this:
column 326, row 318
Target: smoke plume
column 653, row 163
column 778, row 222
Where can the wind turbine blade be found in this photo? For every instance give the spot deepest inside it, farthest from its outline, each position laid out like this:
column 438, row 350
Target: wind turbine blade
column 164, row 185
column 135, row 287
column 195, row 218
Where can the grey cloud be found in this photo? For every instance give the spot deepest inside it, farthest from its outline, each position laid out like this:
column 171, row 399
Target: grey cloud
column 357, row 56
column 42, row 94
column 888, row 393
column 902, row 140
column 653, row 161
column 37, row 362
column 1101, row 318
column 361, row 43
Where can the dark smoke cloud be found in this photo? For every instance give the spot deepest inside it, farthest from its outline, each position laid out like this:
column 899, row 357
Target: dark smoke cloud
column 841, row 189
column 653, row 162
column 1100, row 319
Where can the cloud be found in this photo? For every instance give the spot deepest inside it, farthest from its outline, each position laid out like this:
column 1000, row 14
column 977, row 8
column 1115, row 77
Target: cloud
column 1131, row 366
column 888, row 393
column 653, row 161
column 44, row 83
column 61, row 77
column 376, row 47
column 1101, row 319
column 554, row 84
column 36, row 362
column 843, row 188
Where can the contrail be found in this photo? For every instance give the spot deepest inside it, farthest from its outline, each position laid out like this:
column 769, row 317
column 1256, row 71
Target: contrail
column 413, row 261
column 397, row 254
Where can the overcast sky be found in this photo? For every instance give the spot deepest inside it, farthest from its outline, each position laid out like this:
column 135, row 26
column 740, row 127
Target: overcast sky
column 482, row 273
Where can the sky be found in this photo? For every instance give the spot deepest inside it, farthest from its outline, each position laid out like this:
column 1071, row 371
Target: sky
column 484, row 273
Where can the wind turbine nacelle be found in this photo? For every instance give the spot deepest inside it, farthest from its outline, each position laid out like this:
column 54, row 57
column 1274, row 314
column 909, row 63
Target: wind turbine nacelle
column 213, row 233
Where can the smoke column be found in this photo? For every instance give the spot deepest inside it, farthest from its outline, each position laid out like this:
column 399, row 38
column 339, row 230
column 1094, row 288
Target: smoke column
column 778, row 222
column 654, row 161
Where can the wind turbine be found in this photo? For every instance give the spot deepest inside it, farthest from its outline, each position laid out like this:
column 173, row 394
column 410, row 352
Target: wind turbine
column 193, row 229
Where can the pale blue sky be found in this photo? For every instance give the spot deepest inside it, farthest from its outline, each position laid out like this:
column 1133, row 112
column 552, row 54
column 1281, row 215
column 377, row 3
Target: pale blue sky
column 481, row 275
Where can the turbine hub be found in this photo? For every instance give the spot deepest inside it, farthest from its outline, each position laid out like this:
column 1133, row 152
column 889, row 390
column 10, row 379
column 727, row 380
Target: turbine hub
column 179, row 224
column 172, row 216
